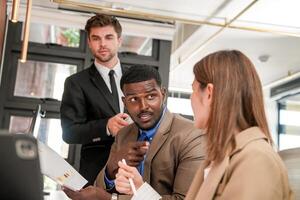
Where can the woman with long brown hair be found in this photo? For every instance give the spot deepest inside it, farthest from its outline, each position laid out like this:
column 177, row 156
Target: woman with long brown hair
column 227, row 102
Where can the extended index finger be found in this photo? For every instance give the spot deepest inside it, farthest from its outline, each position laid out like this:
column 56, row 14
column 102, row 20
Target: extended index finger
column 140, row 144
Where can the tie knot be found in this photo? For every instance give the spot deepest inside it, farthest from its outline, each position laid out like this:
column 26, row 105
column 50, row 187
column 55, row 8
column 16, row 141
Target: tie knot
column 111, row 73
column 143, row 137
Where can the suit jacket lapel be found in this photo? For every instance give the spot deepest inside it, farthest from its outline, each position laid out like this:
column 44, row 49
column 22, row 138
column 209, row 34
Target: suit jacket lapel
column 157, row 142
column 211, row 182
column 100, row 84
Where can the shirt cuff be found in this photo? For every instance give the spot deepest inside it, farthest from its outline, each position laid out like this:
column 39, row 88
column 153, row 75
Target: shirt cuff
column 146, row 192
column 107, row 131
column 109, row 183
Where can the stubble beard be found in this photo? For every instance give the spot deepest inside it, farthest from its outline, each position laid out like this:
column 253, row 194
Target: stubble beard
column 105, row 59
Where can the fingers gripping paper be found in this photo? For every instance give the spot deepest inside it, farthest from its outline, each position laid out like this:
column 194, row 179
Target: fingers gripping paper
column 56, row 168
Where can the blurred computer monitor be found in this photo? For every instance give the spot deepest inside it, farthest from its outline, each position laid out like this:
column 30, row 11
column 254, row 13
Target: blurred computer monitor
column 20, row 173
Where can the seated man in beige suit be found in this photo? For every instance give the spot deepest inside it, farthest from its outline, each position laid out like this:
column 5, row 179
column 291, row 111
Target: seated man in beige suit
column 166, row 148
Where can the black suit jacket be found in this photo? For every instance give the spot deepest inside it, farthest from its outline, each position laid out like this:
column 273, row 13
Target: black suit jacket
column 86, row 106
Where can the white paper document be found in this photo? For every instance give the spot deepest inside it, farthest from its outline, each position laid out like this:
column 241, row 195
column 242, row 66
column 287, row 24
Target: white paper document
column 56, row 168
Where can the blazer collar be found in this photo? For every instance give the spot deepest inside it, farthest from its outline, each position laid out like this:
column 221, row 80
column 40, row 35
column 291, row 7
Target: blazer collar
column 157, row 142
column 246, row 136
column 216, row 173
column 103, row 70
column 100, row 84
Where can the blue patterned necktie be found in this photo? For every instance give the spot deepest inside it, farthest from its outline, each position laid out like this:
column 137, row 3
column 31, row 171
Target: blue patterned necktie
column 143, row 137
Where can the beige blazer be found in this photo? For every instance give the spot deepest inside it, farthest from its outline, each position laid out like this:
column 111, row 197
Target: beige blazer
column 253, row 171
column 173, row 158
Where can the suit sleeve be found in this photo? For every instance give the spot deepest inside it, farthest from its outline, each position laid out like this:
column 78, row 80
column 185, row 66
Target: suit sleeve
column 191, row 155
column 99, row 182
column 74, row 120
column 254, row 175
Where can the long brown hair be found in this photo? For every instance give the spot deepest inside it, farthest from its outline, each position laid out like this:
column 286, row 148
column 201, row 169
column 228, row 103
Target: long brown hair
column 237, row 101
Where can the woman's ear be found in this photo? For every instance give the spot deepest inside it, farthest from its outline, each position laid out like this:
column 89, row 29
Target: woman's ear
column 209, row 90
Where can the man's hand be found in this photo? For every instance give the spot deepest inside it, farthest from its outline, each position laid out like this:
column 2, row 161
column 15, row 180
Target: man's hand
column 89, row 193
column 126, row 172
column 117, row 122
column 133, row 153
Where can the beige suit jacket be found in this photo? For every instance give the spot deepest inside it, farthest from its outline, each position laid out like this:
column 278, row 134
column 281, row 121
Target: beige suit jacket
column 173, row 158
column 253, row 171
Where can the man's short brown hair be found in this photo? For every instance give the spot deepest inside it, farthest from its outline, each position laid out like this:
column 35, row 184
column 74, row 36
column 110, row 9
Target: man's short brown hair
column 101, row 20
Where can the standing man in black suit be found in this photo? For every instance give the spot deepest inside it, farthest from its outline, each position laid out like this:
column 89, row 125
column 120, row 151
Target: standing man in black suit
column 91, row 108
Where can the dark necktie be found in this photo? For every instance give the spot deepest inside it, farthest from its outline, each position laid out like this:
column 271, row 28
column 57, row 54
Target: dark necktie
column 114, row 90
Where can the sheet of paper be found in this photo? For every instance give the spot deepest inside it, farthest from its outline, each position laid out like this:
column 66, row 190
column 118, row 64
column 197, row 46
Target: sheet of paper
column 56, row 168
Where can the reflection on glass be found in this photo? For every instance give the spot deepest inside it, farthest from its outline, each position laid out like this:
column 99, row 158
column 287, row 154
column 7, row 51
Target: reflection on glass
column 50, row 132
column 136, row 45
column 41, row 79
column 43, row 33
column 19, row 124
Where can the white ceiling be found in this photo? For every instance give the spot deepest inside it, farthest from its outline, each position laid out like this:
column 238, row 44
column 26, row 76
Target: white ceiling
column 280, row 15
column 277, row 12
column 283, row 55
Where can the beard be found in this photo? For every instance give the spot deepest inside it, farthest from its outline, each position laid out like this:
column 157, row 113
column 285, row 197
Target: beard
column 106, row 58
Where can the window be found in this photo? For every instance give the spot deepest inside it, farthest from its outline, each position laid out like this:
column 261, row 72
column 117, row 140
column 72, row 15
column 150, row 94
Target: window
column 54, row 35
column 41, row 79
column 19, row 124
column 55, row 53
column 289, row 125
column 137, row 45
column 179, row 102
column 50, row 132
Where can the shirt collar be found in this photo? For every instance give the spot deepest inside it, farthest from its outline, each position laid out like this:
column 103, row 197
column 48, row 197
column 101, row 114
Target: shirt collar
column 103, row 70
column 151, row 132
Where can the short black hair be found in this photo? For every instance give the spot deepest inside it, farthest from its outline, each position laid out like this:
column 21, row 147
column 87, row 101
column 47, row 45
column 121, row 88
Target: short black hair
column 139, row 73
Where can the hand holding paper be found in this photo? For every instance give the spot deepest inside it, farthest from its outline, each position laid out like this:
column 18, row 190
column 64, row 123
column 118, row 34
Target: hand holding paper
column 56, row 168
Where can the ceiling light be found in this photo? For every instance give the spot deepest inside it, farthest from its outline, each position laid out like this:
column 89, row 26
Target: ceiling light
column 263, row 58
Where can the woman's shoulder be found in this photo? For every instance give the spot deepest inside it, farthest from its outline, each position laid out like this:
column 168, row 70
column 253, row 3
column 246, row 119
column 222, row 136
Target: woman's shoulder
column 258, row 154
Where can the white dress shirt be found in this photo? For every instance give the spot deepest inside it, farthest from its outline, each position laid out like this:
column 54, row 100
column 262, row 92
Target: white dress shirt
column 118, row 74
column 104, row 72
